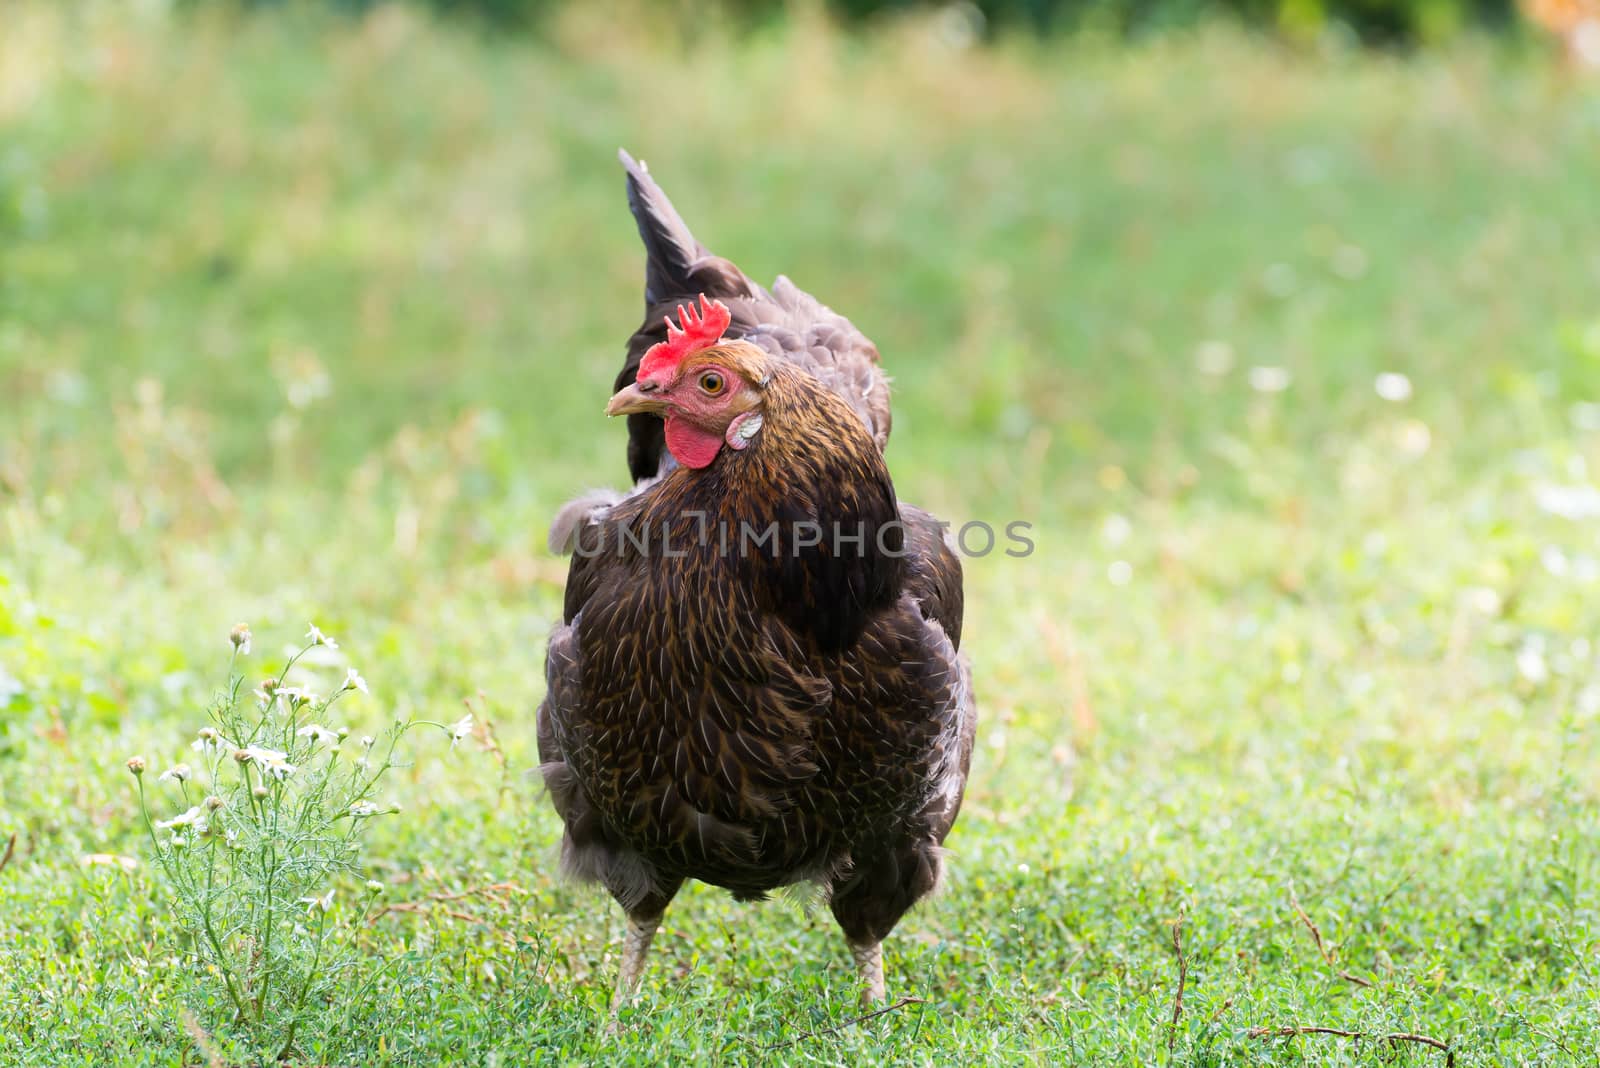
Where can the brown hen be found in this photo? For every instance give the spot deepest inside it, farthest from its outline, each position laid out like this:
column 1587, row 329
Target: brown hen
column 756, row 682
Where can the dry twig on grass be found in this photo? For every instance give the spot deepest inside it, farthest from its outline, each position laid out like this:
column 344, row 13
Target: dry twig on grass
column 495, row 892
column 1322, row 950
column 1393, row 1038
column 1183, row 978
column 11, row 847
column 804, row 1035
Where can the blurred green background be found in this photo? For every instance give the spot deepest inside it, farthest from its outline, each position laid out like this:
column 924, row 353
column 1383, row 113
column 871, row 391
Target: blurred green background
column 1288, row 347
column 1376, row 21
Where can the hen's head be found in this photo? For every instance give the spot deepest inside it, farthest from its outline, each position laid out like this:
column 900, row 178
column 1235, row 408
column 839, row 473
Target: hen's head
column 706, row 388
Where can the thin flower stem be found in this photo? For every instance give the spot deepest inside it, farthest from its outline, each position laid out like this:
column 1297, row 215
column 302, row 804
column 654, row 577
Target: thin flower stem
column 361, row 991
column 269, row 864
column 171, row 870
column 429, row 723
column 305, row 987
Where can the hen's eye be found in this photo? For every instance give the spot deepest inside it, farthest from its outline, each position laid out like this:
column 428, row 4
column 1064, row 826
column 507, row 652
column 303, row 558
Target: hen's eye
column 712, row 383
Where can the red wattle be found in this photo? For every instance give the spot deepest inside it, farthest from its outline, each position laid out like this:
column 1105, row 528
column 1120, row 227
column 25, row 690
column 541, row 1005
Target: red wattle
column 690, row 445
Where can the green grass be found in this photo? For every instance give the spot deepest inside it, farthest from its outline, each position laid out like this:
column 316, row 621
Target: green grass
column 307, row 320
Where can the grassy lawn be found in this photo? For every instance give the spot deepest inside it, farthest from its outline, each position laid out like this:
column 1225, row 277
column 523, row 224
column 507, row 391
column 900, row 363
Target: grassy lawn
column 309, row 320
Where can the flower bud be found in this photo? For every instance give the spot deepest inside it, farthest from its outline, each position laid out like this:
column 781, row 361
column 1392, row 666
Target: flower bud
column 214, row 802
column 240, row 637
column 259, row 792
column 136, row 765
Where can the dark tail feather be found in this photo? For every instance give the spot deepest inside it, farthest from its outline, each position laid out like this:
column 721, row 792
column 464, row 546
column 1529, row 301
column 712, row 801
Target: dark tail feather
column 671, row 249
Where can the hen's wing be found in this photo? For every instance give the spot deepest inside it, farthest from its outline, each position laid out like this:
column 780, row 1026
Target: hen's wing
column 933, row 574
column 933, row 580
column 929, row 738
column 785, row 321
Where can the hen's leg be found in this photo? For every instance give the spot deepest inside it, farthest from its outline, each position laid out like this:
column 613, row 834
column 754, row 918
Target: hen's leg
column 643, row 921
column 869, row 966
column 635, row 947
column 870, row 900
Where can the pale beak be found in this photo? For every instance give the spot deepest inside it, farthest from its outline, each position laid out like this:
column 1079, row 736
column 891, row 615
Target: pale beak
column 634, row 399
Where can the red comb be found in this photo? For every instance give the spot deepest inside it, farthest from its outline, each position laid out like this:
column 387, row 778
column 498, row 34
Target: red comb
column 701, row 329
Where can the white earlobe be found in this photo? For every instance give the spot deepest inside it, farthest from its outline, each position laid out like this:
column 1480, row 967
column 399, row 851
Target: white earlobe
column 743, row 430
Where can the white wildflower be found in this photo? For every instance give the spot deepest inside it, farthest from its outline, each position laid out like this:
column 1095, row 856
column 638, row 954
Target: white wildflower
column 374, row 886
column 1115, row 530
column 1531, row 664
column 195, row 817
column 1568, row 502
column 299, row 695
column 1269, row 379
column 460, row 729
column 354, row 681
column 274, row 762
column 316, row 637
column 176, row 773
column 318, row 734
column 279, row 769
column 1393, row 386
column 312, row 904
column 363, row 808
